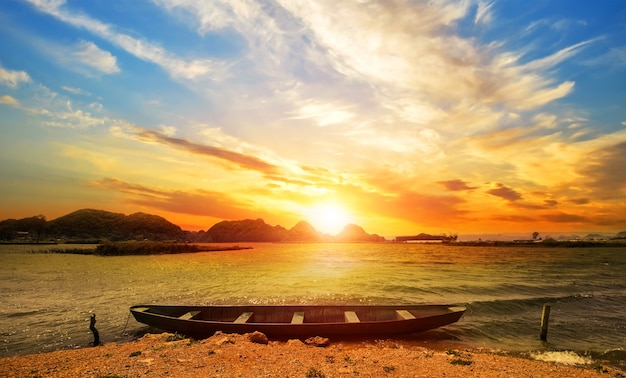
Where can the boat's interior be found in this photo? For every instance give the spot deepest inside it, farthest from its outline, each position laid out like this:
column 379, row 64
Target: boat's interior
column 299, row 314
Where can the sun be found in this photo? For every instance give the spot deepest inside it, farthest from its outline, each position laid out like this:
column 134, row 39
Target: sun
column 328, row 217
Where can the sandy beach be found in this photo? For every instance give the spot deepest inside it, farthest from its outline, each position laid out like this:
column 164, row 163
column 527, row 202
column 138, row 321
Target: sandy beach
column 222, row 355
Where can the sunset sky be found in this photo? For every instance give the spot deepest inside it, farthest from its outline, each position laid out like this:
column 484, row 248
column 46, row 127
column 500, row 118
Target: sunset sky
column 403, row 117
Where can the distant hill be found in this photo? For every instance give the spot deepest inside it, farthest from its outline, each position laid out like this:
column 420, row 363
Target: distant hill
column 354, row 233
column 92, row 225
column 249, row 230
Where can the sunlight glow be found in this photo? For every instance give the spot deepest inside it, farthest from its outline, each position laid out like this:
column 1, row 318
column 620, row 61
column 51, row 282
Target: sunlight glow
column 328, row 217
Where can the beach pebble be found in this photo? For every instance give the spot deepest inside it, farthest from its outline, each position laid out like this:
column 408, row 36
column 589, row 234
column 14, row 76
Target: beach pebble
column 258, row 337
column 317, row 341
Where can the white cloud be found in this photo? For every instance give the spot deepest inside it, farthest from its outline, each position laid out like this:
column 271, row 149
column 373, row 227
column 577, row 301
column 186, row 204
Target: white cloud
column 142, row 49
column 92, row 56
column 483, row 13
column 12, row 79
column 72, row 89
column 324, row 114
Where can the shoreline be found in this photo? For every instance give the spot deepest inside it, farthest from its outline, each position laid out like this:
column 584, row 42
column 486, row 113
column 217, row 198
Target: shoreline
column 230, row 355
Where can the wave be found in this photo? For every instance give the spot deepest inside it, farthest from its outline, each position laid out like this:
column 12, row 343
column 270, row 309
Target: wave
column 563, row 357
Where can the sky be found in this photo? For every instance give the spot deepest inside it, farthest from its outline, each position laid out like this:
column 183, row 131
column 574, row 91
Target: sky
column 462, row 117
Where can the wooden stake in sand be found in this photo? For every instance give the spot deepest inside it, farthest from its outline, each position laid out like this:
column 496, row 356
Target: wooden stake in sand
column 92, row 327
column 545, row 316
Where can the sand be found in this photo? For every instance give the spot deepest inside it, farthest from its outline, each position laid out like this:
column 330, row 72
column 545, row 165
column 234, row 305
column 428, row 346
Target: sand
column 166, row 355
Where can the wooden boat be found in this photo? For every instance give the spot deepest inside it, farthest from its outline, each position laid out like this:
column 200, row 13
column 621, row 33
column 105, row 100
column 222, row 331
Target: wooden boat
column 298, row 321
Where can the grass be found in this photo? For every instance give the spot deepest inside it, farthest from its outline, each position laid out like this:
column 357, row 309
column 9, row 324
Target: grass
column 314, row 373
column 142, row 248
column 148, row 248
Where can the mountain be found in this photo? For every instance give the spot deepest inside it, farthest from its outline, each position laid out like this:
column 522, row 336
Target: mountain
column 12, row 229
column 621, row 235
column 354, row 233
column 247, row 230
column 90, row 224
column 303, row 232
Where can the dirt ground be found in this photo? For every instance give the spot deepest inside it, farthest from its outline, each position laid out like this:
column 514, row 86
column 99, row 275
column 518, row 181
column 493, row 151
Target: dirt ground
column 222, row 355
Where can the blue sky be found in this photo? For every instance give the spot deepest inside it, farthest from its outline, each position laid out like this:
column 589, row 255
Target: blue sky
column 400, row 116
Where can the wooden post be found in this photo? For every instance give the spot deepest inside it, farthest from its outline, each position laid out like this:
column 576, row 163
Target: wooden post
column 545, row 316
column 92, row 327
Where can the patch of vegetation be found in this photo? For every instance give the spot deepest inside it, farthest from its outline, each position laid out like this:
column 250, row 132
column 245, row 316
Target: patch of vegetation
column 460, row 361
column 388, row 369
column 314, row 373
column 349, row 360
column 73, row 251
column 151, row 248
column 451, row 352
column 330, row 359
column 175, row 337
column 135, row 354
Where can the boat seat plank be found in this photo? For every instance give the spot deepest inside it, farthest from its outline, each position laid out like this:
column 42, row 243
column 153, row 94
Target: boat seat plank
column 404, row 314
column 244, row 317
column 189, row 315
column 351, row 317
column 298, row 317
column 141, row 309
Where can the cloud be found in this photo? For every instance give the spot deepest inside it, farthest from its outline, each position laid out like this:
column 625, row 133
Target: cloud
column 8, row 100
column 505, row 193
column 456, row 185
column 483, row 13
column 580, row 201
column 142, row 49
column 239, row 159
column 615, row 58
column 92, row 56
column 565, row 218
column 13, row 79
column 192, row 202
column 76, row 91
column 551, row 203
column 604, row 172
column 324, row 114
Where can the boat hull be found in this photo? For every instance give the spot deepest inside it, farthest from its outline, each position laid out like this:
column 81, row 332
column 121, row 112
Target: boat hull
column 280, row 321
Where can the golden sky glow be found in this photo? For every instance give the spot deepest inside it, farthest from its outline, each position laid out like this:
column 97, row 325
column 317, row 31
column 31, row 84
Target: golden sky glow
column 402, row 117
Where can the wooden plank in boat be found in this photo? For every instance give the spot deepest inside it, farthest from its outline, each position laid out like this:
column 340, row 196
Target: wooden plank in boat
column 404, row 314
column 244, row 317
column 141, row 309
column 351, row 317
column 298, row 317
column 188, row 315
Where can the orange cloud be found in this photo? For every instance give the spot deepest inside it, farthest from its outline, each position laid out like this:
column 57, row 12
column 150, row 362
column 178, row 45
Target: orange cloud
column 196, row 202
column 505, row 193
column 456, row 185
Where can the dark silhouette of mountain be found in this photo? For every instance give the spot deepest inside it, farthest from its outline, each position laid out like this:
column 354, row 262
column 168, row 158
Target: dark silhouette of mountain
column 32, row 228
column 90, row 224
column 246, row 230
column 249, row 230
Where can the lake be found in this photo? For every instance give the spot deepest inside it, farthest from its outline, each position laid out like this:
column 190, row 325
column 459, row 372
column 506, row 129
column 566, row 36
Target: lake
column 47, row 299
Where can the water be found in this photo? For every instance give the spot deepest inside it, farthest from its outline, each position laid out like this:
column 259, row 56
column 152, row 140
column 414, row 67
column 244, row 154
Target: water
column 47, row 299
